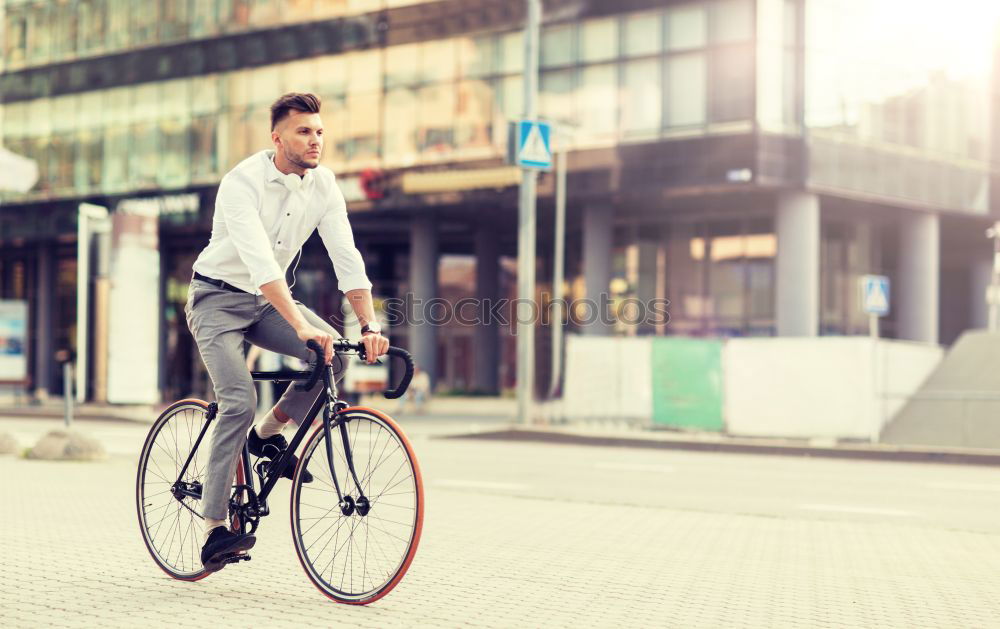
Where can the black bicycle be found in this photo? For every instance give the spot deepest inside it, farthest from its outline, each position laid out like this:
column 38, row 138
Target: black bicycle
column 356, row 527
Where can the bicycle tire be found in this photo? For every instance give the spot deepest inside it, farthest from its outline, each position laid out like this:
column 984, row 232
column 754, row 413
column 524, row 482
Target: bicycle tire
column 191, row 539
column 408, row 526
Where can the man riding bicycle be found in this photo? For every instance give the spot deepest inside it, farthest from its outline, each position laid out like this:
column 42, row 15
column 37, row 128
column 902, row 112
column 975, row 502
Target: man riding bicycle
column 266, row 208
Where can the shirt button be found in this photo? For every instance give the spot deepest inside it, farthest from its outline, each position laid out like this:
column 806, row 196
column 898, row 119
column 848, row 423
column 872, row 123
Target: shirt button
column 279, row 242
column 288, row 214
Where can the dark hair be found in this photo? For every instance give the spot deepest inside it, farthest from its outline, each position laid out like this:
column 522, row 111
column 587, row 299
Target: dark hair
column 306, row 103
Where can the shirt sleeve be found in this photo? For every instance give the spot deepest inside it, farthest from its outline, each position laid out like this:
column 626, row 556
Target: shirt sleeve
column 237, row 203
column 335, row 230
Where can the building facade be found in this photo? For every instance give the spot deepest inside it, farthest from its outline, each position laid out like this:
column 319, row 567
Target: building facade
column 746, row 160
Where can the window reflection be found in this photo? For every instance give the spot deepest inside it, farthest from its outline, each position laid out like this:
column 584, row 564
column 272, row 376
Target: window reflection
column 642, row 34
column 558, row 45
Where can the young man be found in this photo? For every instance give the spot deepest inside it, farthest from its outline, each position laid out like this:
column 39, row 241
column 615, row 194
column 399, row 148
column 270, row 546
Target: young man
column 267, row 207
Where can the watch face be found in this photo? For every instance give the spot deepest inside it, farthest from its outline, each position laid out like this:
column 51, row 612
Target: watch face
column 375, row 328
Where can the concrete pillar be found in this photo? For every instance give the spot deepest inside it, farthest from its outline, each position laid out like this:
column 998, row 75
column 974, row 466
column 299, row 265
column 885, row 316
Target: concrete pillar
column 598, row 237
column 487, row 340
column 797, row 273
column 918, row 282
column 980, row 276
column 423, row 287
column 649, row 280
column 44, row 295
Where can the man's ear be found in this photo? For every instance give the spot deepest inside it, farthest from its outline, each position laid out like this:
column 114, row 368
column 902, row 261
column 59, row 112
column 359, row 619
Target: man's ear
column 275, row 137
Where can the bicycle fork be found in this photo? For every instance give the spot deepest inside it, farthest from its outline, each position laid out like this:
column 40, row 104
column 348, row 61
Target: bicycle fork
column 333, row 409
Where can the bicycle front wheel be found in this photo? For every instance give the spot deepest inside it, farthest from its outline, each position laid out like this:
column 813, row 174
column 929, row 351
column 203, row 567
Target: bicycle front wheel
column 354, row 554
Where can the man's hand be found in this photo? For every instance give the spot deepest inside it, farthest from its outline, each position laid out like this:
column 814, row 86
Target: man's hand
column 308, row 332
column 375, row 345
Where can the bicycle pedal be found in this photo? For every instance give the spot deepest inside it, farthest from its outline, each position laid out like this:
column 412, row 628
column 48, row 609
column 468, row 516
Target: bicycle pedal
column 236, row 558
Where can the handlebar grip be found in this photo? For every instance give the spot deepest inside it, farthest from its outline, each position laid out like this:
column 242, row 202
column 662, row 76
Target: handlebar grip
column 398, row 352
column 320, row 362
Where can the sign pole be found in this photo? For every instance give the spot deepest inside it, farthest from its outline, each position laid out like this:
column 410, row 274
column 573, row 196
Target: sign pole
column 526, row 230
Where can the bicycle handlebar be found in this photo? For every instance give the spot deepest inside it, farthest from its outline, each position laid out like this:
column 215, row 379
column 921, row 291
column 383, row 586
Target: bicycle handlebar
column 343, row 345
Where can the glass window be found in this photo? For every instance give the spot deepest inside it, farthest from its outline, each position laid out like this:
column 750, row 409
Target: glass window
column 144, row 160
column 686, row 84
column 173, row 20
column 325, row 9
column 477, row 55
column 234, row 15
column 642, row 33
column 512, row 97
column 87, row 171
column 145, row 22
column 174, row 123
column 437, row 61
column 297, row 10
column 687, row 27
column 401, row 65
column 732, row 84
column 265, row 85
column 203, row 20
column 557, row 95
column 119, row 17
column 473, row 123
column 364, row 71
column 400, row 132
column 558, row 45
column 599, row 39
column 511, row 52
column 335, row 130
column 116, row 125
column 64, row 22
column 16, row 30
column 331, row 76
column 63, row 152
column 642, row 97
column 436, row 131
column 732, row 21
column 299, row 76
column 264, row 13
column 597, row 102
column 361, row 145
column 93, row 21
column 39, row 33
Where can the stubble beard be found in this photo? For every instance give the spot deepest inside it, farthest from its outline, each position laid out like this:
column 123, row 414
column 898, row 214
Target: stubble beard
column 299, row 160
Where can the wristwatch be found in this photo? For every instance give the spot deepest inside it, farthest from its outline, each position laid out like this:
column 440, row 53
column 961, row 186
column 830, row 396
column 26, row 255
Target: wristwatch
column 371, row 328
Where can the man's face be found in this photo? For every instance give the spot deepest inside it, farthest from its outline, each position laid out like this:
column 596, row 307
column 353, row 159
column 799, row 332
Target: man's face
column 299, row 137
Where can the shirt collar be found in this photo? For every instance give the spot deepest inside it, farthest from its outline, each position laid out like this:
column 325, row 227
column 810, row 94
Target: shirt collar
column 273, row 174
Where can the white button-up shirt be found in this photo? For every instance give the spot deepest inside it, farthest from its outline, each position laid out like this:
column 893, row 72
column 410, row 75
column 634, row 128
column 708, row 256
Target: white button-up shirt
column 261, row 222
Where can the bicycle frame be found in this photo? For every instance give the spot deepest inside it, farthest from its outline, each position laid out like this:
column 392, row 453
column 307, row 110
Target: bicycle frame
column 331, row 407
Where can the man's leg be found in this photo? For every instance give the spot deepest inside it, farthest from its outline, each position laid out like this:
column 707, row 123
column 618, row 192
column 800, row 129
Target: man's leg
column 272, row 332
column 237, row 399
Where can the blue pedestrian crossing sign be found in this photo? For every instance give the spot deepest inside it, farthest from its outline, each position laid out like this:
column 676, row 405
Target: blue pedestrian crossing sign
column 533, row 144
column 875, row 294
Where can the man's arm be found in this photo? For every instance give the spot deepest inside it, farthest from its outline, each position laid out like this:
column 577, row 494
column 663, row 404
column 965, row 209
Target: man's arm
column 361, row 302
column 280, row 297
column 335, row 230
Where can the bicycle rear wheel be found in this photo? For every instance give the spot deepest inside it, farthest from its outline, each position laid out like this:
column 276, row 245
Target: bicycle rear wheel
column 172, row 525
column 350, row 556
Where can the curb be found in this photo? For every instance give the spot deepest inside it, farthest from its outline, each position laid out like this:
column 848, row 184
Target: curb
column 906, row 454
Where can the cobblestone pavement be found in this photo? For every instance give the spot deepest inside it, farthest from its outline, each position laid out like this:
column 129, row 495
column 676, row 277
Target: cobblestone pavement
column 520, row 535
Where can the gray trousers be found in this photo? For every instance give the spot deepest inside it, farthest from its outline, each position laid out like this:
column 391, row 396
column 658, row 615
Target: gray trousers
column 220, row 320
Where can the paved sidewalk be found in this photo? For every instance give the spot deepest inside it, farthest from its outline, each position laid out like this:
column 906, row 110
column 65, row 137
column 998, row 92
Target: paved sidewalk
column 497, row 555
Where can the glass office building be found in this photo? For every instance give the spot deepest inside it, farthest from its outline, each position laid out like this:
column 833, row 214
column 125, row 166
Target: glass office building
column 748, row 160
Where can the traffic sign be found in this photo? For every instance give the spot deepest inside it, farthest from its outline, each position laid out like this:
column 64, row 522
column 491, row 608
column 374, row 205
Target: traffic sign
column 531, row 145
column 875, row 294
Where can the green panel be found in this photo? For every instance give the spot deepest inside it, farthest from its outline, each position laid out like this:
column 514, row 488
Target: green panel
column 687, row 383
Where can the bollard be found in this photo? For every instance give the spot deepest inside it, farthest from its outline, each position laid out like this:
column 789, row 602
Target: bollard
column 68, row 392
